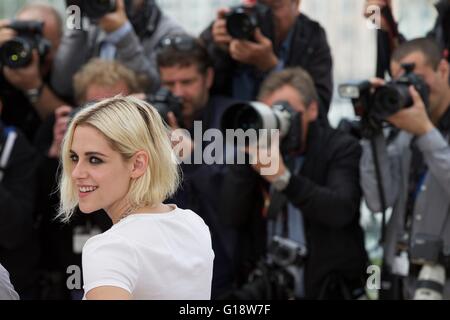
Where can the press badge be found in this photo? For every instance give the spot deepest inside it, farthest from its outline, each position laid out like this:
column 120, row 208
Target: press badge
column 81, row 234
column 401, row 264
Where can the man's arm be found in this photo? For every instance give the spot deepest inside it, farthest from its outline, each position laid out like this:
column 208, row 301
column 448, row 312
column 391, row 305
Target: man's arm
column 335, row 203
column 436, row 152
column 73, row 52
column 17, row 193
column 7, row 291
column 390, row 166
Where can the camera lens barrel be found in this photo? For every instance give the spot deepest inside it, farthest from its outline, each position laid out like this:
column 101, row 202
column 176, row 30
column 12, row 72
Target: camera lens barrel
column 241, row 23
column 249, row 115
column 16, row 53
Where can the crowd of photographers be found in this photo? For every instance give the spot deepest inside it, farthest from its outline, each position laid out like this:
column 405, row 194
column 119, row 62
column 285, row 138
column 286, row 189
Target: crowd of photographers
column 288, row 233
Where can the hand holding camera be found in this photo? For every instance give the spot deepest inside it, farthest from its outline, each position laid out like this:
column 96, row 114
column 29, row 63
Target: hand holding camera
column 220, row 34
column 241, row 31
column 378, row 102
column 258, row 52
column 23, row 49
column 414, row 119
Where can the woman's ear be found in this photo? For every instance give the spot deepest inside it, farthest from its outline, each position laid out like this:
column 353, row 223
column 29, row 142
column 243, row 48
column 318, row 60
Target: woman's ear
column 140, row 164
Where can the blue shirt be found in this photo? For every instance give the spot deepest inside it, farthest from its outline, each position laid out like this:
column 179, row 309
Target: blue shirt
column 108, row 47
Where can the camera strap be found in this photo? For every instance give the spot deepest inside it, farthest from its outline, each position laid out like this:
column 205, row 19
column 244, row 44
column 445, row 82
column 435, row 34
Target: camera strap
column 279, row 204
column 6, row 149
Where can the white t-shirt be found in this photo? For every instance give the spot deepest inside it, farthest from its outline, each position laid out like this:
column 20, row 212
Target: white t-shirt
column 153, row 256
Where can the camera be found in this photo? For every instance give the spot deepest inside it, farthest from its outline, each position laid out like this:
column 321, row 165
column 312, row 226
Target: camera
column 18, row 52
column 96, row 9
column 164, row 102
column 430, row 283
column 284, row 252
column 242, row 21
column 374, row 106
column 258, row 116
column 276, row 277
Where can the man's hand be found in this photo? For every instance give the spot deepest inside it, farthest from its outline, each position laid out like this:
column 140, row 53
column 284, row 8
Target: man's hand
column 114, row 20
column 220, row 34
column 25, row 78
column 59, row 130
column 413, row 119
column 259, row 53
column 6, row 34
column 267, row 159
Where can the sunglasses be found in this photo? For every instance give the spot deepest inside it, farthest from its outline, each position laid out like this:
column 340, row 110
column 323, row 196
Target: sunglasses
column 181, row 43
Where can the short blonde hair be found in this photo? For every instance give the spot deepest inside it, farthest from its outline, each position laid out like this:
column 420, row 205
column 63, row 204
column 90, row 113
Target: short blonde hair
column 105, row 73
column 129, row 125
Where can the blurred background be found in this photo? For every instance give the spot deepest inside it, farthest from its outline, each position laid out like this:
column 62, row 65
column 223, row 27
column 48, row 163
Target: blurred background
column 352, row 41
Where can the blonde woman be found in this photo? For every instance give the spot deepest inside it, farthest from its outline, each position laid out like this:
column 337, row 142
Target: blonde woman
column 117, row 156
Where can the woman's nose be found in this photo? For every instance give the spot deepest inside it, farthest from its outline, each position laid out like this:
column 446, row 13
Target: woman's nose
column 79, row 171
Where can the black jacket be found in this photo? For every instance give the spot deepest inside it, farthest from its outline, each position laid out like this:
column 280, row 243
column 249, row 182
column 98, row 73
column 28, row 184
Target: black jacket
column 328, row 194
column 18, row 247
column 309, row 50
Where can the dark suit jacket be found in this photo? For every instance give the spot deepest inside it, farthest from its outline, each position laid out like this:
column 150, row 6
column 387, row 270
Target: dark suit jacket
column 328, row 194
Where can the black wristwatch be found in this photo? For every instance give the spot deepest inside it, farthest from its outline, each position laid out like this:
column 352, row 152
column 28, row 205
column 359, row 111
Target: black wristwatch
column 33, row 95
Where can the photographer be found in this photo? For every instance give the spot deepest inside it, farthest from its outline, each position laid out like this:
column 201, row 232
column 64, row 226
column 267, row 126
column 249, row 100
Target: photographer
column 129, row 35
column 414, row 169
column 312, row 198
column 27, row 96
column 283, row 38
column 18, row 249
column 186, row 70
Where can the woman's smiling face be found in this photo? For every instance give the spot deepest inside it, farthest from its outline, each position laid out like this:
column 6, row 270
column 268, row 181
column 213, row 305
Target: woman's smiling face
column 99, row 173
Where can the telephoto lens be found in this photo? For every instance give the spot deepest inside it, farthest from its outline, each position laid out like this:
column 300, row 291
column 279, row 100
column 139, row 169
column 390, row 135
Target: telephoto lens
column 430, row 284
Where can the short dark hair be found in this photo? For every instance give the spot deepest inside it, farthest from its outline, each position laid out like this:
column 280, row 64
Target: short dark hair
column 428, row 47
column 184, row 51
column 297, row 78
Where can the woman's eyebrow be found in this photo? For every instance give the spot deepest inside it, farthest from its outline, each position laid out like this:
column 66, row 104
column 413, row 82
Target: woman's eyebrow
column 91, row 153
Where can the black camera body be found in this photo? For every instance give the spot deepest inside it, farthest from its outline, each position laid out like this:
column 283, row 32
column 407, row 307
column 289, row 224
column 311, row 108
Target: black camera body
column 258, row 116
column 164, row 102
column 284, row 252
column 374, row 106
column 18, row 52
column 275, row 277
column 242, row 21
column 394, row 95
